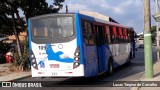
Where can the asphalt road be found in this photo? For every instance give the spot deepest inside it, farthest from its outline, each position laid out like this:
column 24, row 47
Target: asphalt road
column 132, row 72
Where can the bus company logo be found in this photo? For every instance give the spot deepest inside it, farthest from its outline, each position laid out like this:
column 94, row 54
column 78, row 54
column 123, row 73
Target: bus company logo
column 41, row 63
column 54, row 65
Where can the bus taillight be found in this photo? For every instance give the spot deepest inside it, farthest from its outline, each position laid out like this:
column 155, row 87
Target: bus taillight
column 76, row 58
column 33, row 61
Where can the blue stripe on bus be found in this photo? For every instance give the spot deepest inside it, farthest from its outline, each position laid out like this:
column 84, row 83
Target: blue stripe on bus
column 87, row 17
column 29, row 40
column 79, row 36
column 29, row 34
column 55, row 56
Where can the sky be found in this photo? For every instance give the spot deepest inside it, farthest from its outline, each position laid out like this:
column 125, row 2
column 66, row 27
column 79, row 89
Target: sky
column 126, row 12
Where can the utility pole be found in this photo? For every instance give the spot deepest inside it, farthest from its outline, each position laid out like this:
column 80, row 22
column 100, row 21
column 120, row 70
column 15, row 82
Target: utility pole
column 66, row 8
column 147, row 40
column 157, row 30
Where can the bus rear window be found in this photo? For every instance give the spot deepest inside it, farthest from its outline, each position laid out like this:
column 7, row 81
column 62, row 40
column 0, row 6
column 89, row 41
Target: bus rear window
column 52, row 28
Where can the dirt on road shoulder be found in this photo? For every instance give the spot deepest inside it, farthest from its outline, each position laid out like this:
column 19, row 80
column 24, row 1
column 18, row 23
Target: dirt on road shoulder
column 6, row 68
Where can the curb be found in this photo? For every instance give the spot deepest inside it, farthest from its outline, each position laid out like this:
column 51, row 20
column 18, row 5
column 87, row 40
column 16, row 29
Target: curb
column 21, row 78
column 137, row 88
column 141, row 79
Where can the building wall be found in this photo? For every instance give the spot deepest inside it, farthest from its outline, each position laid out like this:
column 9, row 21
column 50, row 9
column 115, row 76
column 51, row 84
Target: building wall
column 11, row 39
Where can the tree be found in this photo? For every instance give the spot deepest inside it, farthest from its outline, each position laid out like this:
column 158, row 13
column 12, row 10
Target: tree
column 154, row 33
column 12, row 23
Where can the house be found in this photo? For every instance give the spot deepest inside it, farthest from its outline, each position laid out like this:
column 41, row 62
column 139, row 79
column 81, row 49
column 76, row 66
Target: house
column 11, row 39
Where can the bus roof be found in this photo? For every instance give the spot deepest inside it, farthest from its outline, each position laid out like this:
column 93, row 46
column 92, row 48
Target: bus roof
column 100, row 18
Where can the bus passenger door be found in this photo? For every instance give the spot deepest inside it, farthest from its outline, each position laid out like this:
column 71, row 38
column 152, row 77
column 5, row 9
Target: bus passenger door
column 100, row 51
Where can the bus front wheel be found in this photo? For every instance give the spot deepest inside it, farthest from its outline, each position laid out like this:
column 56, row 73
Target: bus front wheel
column 130, row 58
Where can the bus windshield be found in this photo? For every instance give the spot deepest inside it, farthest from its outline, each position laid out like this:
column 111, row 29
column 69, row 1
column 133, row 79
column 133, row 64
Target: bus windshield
column 52, row 27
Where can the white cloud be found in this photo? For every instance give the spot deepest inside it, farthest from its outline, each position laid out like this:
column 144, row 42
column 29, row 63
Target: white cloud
column 126, row 12
column 118, row 10
column 138, row 2
column 75, row 7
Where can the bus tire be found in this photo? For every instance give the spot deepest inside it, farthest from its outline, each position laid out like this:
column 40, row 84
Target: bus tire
column 110, row 66
column 130, row 58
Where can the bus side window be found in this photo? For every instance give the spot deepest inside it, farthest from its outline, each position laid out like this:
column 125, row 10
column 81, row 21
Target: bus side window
column 107, row 34
column 129, row 35
column 127, row 39
column 111, row 33
column 120, row 35
column 125, row 35
column 84, row 32
column 91, row 34
column 88, row 33
column 114, row 35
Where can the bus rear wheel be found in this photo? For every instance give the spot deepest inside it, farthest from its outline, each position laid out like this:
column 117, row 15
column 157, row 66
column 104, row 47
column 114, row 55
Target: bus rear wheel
column 110, row 67
column 130, row 58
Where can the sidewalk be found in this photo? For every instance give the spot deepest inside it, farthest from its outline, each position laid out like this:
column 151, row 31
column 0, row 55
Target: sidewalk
column 7, row 75
column 15, row 76
column 156, row 77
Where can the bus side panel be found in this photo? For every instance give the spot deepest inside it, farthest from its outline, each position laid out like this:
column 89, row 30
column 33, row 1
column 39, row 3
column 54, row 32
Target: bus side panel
column 107, row 55
column 90, row 54
column 120, row 53
column 91, row 60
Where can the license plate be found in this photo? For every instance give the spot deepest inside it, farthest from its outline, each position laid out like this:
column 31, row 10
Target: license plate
column 54, row 73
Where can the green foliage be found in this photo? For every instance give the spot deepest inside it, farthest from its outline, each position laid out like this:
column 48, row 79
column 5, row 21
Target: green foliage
column 17, row 60
column 25, row 56
column 29, row 7
column 12, row 23
column 154, row 33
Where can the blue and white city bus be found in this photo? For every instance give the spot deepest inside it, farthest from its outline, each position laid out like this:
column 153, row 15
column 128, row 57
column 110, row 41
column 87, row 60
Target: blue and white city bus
column 75, row 45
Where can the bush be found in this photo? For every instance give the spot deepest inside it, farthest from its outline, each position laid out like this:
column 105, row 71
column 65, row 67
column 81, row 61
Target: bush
column 23, row 62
